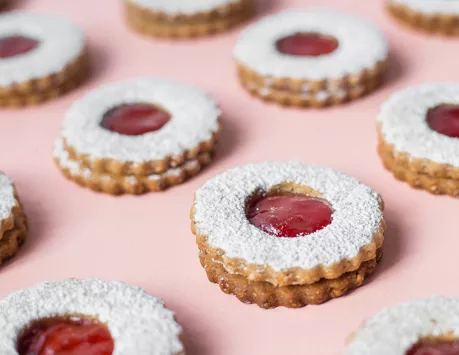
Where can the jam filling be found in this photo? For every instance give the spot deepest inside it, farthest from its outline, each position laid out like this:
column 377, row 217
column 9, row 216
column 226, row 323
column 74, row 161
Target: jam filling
column 13, row 46
column 307, row 44
column 435, row 347
column 135, row 119
column 289, row 215
column 444, row 119
column 65, row 336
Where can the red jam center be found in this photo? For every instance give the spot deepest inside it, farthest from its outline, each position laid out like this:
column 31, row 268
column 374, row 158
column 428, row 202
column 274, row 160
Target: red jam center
column 65, row 336
column 289, row 215
column 435, row 347
column 444, row 119
column 307, row 44
column 135, row 119
column 12, row 46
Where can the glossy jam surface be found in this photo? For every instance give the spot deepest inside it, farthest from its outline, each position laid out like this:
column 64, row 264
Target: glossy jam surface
column 307, row 44
column 13, row 46
column 135, row 119
column 435, row 347
column 289, row 215
column 444, row 119
column 65, row 336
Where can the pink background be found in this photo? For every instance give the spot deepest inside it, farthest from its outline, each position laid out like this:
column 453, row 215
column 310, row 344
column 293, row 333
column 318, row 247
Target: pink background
column 146, row 240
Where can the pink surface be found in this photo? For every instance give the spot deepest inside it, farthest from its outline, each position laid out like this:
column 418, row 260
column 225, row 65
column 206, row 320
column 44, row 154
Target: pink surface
column 147, row 241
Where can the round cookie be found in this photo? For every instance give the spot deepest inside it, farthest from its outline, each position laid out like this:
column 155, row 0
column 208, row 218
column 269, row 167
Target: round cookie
column 418, row 140
column 183, row 19
column 311, row 57
column 426, row 326
column 123, row 319
column 439, row 17
column 41, row 57
column 13, row 222
column 270, row 253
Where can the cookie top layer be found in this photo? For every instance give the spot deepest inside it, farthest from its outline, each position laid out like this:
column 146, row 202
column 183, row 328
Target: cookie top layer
column 220, row 215
column 139, row 323
column 395, row 330
column 403, row 123
column 60, row 42
column 445, row 7
column 187, row 7
column 194, row 119
column 361, row 45
column 7, row 200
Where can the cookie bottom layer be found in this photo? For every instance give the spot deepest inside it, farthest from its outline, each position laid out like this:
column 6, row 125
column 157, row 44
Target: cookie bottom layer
column 301, row 93
column 13, row 239
column 439, row 24
column 129, row 184
column 46, row 88
column 434, row 185
column 148, row 23
column 266, row 295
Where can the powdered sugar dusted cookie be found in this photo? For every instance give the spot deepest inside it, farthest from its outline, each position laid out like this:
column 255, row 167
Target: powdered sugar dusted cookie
column 311, row 57
column 418, row 133
column 121, row 319
column 435, row 16
column 288, row 224
column 178, row 18
column 428, row 326
column 40, row 56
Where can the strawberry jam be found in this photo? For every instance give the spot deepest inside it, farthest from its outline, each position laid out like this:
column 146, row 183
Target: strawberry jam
column 289, row 215
column 435, row 347
column 307, row 44
column 65, row 336
column 444, row 119
column 13, row 46
column 135, row 119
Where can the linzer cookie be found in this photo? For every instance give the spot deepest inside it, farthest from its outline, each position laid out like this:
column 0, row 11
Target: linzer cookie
column 41, row 57
column 87, row 317
column 311, row 58
column 286, row 233
column 178, row 18
column 435, row 16
column 13, row 222
column 420, row 327
column 418, row 137
column 138, row 136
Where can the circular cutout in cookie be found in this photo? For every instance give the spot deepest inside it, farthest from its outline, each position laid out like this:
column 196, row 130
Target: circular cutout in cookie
column 435, row 347
column 65, row 336
column 289, row 215
column 135, row 119
column 307, row 44
column 444, row 119
column 12, row 46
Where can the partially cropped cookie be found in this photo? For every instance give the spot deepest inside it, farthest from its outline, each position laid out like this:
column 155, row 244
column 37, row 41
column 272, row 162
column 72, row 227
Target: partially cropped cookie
column 13, row 222
column 286, row 233
column 419, row 137
column 435, row 16
column 87, row 317
column 311, row 57
column 420, row 327
column 182, row 19
column 41, row 57
column 138, row 136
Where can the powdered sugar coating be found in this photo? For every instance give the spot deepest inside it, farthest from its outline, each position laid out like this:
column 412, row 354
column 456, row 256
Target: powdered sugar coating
column 361, row 45
column 138, row 322
column 194, row 119
column 403, row 123
column 220, row 215
column 188, row 7
column 395, row 330
column 60, row 43
column 7, row 200
column 431, row 6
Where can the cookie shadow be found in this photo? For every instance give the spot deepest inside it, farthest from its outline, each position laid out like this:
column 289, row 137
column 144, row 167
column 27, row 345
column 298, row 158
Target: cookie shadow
column 396, row 68
column 263, row 7
column 230, row 139
column 99, row 58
